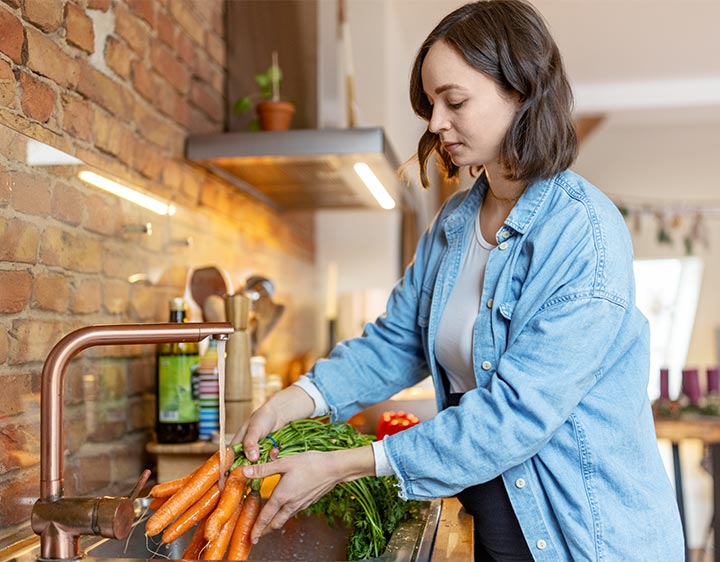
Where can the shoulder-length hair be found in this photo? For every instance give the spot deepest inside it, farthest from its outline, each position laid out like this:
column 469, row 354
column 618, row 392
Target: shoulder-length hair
column 508, row 41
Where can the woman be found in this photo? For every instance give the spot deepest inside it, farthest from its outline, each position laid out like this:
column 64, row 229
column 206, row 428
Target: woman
column 520, row 305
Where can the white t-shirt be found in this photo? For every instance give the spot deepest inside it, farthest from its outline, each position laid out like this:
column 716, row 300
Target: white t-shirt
column 453, row 346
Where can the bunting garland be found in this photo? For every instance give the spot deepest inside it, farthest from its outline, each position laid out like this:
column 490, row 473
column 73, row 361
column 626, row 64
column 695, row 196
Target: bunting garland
column 685, row 222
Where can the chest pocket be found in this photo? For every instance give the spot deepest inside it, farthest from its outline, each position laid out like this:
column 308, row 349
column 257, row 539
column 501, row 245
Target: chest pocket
column 501, row 324
column 506, row 310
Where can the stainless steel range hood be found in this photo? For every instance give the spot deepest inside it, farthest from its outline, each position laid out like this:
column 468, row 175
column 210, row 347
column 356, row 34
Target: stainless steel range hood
column 301, row 168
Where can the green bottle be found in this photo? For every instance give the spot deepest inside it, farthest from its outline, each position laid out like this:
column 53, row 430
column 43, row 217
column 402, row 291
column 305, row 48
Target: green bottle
column 177, row 408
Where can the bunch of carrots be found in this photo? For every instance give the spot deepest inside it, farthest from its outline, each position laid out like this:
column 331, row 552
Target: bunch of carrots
column 223, row 505
column 224, row 518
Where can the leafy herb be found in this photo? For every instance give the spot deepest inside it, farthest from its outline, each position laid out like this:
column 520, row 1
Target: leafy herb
column 370, row 507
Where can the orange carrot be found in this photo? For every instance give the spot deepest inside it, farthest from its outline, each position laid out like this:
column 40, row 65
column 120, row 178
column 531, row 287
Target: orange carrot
column 230, row 497
column 156, row 502
column 167, row 489
column 201, row 481
column 216, row 548
column 197, row 543
column 190, row 518
column 240, row 544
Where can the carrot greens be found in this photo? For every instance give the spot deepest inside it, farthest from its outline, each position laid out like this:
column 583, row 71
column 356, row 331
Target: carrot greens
column 370, row 507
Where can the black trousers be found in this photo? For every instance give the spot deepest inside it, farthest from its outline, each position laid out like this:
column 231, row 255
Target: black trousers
column 497, row 533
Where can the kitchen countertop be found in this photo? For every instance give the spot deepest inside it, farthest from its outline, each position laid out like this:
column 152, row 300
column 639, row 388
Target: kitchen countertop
column 454, row 538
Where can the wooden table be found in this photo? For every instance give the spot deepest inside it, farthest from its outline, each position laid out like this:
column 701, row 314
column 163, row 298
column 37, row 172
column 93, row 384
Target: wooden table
column 707, row 430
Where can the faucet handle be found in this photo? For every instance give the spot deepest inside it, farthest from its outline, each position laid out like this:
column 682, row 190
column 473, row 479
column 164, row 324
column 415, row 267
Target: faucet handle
column 140, row 484
column 115, row 516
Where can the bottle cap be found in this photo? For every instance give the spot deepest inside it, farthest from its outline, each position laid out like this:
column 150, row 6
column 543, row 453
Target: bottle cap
column 257, row 366
column 177, row 304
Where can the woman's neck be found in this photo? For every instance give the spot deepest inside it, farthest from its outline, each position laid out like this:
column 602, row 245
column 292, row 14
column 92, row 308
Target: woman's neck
column 501, row 191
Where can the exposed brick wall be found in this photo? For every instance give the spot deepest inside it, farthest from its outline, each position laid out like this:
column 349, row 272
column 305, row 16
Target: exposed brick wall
column 118, row 84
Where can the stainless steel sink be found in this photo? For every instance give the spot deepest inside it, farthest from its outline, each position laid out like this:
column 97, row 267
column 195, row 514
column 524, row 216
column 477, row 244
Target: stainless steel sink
column 302, row 539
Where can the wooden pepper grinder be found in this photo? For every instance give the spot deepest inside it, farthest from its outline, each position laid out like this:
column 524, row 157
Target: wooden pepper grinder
column 238, row 381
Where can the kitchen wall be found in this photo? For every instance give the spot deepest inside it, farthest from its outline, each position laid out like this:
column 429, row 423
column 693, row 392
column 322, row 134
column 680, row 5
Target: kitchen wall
column 119, row 85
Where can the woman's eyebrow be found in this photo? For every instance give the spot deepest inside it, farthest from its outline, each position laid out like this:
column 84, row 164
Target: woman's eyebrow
column 445, row 87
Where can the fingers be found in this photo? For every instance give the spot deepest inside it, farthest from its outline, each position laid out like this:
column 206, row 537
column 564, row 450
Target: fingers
column 289, row 404
column 273, row 516
column 261, row 423
column 250, row 446
column 240, row 432
column 306, row 477
column 263, row 470
column 277, row 511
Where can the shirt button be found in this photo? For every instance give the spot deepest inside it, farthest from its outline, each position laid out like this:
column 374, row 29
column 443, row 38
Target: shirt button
column 505, row 234
column 520, row 483
column 486, row 365
column 503, row 245
column 489, row 303
column 541, row 544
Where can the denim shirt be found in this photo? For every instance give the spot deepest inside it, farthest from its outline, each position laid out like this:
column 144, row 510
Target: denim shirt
column 561, row 360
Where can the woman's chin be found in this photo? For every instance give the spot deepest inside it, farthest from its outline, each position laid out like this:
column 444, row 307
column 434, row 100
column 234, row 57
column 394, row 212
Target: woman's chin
column 457, row 160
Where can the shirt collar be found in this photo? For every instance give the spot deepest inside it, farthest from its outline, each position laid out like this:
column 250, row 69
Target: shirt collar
column 522, row 214
column 528, row 206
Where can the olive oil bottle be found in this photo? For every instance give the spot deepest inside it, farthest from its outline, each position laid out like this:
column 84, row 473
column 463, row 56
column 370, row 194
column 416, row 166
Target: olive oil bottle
column 177, row 407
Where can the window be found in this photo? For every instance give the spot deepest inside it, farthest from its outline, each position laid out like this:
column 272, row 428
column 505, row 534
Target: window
column 667, row 294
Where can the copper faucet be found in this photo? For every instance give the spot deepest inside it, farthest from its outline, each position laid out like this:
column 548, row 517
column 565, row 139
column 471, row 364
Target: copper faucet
column 61, row 521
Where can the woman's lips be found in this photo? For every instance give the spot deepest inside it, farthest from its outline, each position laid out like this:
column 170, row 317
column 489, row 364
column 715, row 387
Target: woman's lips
column 451, row 146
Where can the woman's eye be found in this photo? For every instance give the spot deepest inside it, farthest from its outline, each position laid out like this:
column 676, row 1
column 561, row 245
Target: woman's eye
column 457, row 105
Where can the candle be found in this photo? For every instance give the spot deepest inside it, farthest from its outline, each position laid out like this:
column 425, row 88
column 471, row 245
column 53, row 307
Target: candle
column 331, row 291
column 713, row 380
column 664, row 384
column 691, row 385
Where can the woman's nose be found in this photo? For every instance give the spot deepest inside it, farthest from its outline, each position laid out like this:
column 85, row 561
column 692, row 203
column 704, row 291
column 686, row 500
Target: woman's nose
column 438, row 122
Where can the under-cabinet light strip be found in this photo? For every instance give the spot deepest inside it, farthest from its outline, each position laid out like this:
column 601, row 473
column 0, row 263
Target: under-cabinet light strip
column 126, row 193
column 374, row 185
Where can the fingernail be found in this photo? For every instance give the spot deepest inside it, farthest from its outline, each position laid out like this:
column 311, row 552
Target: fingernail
column 248, row 471
column 255, row 540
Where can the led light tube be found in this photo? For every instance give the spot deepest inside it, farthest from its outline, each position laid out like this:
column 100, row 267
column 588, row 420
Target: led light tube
column 126, row 193
column 374, row 185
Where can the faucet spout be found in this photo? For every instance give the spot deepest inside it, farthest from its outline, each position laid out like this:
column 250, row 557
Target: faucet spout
column 51, row 413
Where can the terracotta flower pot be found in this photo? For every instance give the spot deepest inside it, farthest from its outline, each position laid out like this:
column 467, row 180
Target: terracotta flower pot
column 275, row 115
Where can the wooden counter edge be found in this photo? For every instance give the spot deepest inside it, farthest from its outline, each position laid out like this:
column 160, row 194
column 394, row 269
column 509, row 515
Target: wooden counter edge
column 454, row 537
column 705, row 428
column 194, row 448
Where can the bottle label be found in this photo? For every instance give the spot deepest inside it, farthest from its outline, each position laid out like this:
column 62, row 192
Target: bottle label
column 177, row 403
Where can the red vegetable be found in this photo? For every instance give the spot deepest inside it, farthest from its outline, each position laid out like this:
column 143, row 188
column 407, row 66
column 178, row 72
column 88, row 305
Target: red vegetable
column 394, row 422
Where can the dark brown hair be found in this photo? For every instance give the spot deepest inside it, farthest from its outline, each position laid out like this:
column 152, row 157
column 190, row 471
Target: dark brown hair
column 508, row 41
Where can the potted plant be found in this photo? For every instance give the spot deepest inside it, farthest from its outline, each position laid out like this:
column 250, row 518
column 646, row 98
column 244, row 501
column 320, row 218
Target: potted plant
column 272, row 113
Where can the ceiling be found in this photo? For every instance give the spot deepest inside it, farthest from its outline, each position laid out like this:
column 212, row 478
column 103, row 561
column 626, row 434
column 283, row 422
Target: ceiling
column 651, row 67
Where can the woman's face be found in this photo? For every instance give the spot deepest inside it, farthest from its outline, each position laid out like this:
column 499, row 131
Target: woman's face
column 469, row 111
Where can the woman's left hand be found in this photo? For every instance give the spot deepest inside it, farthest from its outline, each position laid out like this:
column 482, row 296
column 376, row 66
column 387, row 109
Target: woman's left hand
column 304, row 479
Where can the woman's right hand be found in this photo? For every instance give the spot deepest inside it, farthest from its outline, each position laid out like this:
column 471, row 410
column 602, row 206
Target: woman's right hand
column 290, row 404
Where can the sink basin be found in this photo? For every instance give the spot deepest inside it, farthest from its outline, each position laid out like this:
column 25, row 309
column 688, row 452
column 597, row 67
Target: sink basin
column 307, row 538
